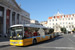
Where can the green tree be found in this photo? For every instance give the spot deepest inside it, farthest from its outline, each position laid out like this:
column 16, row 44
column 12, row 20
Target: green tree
column 73, row 30
column 63, row 30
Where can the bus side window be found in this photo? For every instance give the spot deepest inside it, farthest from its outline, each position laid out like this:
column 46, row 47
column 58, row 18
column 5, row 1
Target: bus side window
column 46, row 32
column 35, row 33
column 51, row 31
column 38, row 32
column 26, row 32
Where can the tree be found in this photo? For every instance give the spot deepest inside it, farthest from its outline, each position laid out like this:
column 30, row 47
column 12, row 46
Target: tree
column 73, row 30
column 63, row 30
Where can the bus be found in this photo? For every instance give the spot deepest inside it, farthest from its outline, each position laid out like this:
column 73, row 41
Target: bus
column 27, row 34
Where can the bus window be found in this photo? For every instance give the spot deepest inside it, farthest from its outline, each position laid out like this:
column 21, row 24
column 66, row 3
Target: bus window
column 41, row 32
column 30, row 31
column 16, row 32
column 26, row 32
column 46, row 31
column 35, row 33
column 51, row 31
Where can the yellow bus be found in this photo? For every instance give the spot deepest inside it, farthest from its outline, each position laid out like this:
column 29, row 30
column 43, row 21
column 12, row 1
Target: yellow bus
column 23, row 35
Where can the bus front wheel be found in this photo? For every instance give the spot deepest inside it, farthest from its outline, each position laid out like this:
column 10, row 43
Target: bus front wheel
column 34, row 41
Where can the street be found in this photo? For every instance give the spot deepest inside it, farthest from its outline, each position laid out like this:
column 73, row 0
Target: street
column 65, row 42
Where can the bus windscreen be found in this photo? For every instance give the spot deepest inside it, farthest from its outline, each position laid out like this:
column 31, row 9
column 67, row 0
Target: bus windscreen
column 16, row 32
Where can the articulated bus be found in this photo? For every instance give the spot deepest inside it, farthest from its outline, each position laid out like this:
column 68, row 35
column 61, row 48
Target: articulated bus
column 23, row 35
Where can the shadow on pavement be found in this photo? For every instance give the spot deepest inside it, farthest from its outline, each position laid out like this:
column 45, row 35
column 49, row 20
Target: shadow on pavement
column 47, row 41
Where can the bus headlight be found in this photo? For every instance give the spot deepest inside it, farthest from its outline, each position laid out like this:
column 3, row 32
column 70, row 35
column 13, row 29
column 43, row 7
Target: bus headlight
column 20, row 42
column 14, row 42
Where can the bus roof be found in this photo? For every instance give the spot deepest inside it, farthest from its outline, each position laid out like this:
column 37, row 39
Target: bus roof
column 29, row 25
column 16, row 25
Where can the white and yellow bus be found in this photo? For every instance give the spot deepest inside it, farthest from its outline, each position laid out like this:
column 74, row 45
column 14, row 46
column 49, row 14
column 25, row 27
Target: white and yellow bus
column 23, row 35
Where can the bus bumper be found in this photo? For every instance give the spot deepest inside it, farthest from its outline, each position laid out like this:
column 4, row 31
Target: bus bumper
column 16, row 42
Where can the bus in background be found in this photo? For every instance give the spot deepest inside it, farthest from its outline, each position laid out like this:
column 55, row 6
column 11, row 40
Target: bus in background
column 23, row 35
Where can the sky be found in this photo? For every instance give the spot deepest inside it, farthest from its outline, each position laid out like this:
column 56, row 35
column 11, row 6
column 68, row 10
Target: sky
column 42, row 9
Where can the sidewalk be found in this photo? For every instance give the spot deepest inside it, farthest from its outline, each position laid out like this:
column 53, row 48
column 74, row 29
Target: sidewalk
column 4, row 41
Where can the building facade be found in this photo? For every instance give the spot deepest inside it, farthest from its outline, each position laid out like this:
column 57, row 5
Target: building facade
column 34, row 22
column 60, row 20
column 44, row 23
column 11, row 14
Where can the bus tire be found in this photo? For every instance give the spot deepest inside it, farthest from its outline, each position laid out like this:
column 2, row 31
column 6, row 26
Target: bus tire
column 34, row 41
column 50, row 37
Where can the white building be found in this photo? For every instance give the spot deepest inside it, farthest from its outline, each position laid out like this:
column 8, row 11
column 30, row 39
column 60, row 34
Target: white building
column 34, row 22
column 10, row 14
column 44, row 23
column 61, row 20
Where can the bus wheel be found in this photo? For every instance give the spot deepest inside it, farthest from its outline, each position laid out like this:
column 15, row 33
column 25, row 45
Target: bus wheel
column 50, row 37
column 34, row 41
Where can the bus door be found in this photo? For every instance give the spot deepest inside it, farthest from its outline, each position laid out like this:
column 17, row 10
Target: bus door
column 42, row 34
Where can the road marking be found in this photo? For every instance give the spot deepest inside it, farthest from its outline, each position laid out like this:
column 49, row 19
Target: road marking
column 65, row 47
column 55, row 47
column 71, row 40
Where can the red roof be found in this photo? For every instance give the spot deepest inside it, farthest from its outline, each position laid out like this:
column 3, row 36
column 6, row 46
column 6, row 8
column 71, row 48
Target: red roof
column 58, row 16
column 50, row 18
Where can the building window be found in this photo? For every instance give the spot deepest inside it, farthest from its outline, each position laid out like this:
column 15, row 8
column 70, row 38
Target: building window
column 53, row 23
column 69, row 23
column 49, row 20
column 72, row 14
column 54, row 16
column 68, row 18
column 71, row 18
column 56, row 23
column 56, row 19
